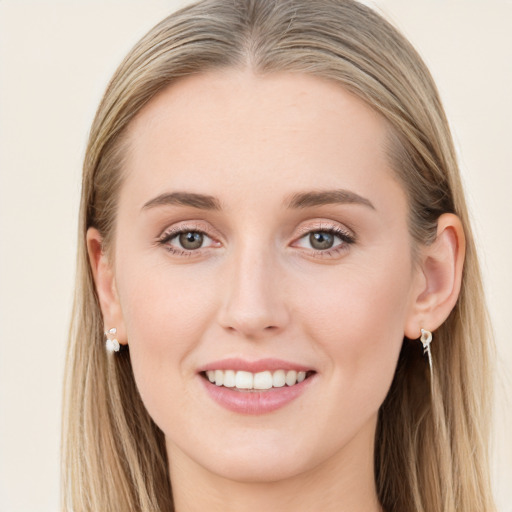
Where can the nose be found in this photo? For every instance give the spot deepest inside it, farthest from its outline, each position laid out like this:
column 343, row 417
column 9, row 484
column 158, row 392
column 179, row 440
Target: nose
column 254, row 303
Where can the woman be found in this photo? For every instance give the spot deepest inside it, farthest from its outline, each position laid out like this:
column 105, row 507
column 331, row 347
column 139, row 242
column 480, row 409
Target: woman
column 272, row 226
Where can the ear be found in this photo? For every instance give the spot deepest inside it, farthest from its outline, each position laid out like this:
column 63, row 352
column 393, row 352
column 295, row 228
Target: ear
column 104, row 280
column 439, row 277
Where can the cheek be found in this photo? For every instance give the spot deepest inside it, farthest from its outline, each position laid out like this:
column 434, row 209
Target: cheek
column 161, row 304
column 358, row 320
column 166, row 312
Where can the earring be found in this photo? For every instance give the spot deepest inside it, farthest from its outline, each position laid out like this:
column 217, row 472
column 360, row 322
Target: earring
column 426, row 339
column 112, row 344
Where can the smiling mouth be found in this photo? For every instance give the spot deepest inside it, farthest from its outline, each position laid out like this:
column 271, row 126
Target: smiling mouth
column 261, row 381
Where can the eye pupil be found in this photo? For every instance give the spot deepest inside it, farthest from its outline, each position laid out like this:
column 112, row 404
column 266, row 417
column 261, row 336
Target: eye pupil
column 321, row 240
column 191, row 240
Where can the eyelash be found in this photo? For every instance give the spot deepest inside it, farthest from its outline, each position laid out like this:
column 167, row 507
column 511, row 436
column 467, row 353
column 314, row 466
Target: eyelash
column 345, row 237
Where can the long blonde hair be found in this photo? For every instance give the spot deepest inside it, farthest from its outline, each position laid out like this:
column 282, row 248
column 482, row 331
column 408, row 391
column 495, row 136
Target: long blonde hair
column 431, row 446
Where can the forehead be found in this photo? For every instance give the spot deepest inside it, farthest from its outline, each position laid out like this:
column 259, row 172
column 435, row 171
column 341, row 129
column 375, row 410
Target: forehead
column 234, row 130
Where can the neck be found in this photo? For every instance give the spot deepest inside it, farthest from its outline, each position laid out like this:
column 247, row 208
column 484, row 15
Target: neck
column 344, row 482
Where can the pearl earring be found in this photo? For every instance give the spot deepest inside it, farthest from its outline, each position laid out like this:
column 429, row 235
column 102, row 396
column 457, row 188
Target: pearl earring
column 112, row 344
column 426, row 339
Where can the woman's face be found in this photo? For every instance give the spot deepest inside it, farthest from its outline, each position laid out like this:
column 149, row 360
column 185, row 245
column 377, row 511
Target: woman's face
column 261, row 228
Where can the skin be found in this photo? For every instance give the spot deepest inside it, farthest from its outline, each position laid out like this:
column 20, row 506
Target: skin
column 257, row 288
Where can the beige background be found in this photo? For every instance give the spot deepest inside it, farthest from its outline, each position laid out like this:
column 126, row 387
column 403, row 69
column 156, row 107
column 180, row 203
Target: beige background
column 55, row 60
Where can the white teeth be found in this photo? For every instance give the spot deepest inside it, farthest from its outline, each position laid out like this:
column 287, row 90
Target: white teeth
column 260, row 380
column 278, row 379
column 243, row 380
column 291, row 377
column 229, row 379
column 219, row 377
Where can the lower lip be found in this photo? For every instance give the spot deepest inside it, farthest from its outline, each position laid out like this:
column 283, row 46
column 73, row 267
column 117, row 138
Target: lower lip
column 255, row 402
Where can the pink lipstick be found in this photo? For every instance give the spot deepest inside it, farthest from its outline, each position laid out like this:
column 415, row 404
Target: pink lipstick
column 255, row 387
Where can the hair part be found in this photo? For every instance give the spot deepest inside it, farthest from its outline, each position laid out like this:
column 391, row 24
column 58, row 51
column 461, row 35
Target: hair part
column 431, row 449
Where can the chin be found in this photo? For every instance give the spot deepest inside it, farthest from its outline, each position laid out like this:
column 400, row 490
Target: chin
column 244, row 458
column 258, row 469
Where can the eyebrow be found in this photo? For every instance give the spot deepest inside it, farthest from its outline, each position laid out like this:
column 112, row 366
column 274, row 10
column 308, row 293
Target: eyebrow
column 298, row 200
column 201, row 201
column 324, row 197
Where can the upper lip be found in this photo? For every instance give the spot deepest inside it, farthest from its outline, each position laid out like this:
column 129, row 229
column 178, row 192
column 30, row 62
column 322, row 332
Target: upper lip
column 260, row 365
